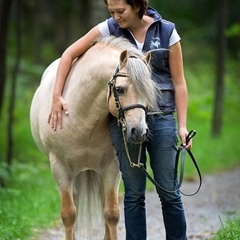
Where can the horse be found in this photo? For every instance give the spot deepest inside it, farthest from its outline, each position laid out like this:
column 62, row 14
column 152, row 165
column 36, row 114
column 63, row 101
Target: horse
column 111, row 78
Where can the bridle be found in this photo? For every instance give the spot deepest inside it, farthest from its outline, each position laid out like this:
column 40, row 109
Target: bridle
column 121, row 110
column 181, row 150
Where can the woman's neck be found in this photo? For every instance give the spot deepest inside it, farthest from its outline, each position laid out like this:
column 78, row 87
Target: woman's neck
column 139, row 30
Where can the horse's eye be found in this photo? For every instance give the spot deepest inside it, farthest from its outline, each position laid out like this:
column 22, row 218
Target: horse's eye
column 120, row 90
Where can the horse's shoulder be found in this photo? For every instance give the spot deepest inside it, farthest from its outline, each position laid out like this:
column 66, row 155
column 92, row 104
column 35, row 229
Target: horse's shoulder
column 51, row 69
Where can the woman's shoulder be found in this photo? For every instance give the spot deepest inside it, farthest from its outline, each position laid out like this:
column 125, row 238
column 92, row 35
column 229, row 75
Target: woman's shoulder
column 103, row 28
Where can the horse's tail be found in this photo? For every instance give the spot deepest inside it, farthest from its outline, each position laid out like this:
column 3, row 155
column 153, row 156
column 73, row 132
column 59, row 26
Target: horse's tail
column 90, row 207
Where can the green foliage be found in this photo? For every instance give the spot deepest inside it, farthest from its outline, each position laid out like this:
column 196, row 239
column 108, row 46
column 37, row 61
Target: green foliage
column 233, row 30
column 4, row 172
column 229, row 230
column 29, row 202
column 213, row 154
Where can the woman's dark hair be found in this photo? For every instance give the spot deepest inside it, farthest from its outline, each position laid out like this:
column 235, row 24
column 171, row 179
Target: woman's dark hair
column 141, row 4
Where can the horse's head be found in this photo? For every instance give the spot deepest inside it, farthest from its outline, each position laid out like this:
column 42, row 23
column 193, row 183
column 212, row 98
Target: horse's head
column 132, row 92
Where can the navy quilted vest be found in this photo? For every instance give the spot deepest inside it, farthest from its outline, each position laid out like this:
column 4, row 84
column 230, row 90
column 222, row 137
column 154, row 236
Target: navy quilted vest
column 157, row 41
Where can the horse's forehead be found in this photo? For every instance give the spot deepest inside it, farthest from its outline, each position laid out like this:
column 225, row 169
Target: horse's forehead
column 123, row 68
column 123, row 80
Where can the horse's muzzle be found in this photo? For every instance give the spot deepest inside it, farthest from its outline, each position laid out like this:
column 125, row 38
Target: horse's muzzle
column 136, row 135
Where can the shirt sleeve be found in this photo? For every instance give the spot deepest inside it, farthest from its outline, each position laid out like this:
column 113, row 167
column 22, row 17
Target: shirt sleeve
column 174, row 38
column 103, row 28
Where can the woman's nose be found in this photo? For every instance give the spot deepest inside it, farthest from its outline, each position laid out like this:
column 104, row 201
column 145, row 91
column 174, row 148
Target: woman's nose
column 116, row 16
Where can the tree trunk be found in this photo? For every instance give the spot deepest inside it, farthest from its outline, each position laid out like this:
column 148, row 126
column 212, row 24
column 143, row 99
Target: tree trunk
column 98, row 12
column 221, row 43
column 15, row 71
column 6, row 8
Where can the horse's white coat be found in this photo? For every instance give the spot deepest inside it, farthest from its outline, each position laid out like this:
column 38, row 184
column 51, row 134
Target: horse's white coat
column 84, row 141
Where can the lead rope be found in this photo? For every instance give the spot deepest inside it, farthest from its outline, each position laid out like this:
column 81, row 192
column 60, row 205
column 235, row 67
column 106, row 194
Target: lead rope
column 140, row 165
column 132, row 164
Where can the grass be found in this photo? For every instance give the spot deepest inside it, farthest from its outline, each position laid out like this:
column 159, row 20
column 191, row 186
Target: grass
column 230, row 230
column 31, row 202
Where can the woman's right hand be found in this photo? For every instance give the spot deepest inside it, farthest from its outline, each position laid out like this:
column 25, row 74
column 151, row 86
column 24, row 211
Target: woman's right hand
column 71, row 53
column 55, row 116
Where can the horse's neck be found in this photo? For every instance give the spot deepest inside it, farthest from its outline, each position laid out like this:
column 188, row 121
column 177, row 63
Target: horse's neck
column 86, row 90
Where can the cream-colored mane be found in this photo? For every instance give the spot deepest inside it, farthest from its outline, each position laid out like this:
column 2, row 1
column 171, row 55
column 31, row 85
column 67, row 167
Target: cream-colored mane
column 139, row 71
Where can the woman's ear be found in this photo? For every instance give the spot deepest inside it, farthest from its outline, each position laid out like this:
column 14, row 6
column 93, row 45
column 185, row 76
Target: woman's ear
column 137, row 9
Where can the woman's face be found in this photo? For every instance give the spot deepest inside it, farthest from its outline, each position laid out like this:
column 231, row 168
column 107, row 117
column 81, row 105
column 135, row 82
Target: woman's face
column 124, row 14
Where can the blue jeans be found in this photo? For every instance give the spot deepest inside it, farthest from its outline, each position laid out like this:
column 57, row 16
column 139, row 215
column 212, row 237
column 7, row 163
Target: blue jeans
column 161, row 147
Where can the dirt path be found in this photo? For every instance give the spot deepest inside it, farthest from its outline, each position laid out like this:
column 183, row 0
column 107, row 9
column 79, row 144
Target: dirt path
column 218, row 198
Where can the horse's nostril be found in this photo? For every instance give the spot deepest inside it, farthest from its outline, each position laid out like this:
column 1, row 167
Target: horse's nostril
column 147, row 132
column 138, row 136
column 133, row 131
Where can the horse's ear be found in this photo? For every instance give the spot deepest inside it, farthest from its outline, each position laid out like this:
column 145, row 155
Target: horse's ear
column 123, row 57
column 147, row 57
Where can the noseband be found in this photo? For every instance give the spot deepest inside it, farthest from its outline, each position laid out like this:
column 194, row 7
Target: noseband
column 121, row 110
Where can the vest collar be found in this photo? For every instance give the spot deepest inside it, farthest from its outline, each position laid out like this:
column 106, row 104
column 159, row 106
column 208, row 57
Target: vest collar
column 151, row 12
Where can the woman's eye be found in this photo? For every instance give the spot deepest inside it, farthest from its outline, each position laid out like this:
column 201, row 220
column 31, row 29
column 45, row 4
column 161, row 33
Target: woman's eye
column 117, row 12
column 120, row 90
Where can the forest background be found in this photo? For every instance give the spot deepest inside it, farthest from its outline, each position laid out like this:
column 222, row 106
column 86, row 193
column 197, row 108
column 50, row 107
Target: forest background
column 33, row 33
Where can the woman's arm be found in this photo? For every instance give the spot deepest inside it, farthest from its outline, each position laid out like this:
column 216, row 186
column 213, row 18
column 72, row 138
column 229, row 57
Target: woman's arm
column 180, row 87
column 71, row 53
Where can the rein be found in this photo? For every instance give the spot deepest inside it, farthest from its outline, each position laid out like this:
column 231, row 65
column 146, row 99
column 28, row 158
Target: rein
column 181, row 151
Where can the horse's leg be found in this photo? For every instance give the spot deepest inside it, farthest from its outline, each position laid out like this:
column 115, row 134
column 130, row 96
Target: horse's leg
column 68, row 208
column 68, row 213
column 111, row 215
column 111, row 178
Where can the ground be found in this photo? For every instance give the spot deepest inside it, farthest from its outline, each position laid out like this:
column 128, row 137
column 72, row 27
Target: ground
column 217, row 200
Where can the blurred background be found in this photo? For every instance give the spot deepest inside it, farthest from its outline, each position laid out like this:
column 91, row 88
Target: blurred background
column 33, row 33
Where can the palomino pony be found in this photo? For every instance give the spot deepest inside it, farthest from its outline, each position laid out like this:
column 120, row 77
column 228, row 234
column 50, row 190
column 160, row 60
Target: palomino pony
column 106, row 79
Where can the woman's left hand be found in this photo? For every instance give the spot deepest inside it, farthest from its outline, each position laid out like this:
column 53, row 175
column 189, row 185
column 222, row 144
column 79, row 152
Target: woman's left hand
column 183, row 133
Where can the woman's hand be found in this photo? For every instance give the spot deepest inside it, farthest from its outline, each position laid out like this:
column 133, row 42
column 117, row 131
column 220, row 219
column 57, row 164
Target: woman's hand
column 183, row 133
column 55, row 116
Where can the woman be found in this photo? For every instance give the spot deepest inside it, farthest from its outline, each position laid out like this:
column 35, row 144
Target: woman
column 145, row 28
